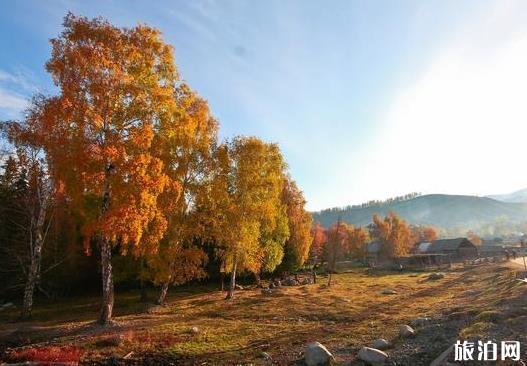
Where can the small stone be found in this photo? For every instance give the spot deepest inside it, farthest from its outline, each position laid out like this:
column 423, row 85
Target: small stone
column 406, row 331
column 315, row 354
column 290, row 282
column 155, row 309
column 372, row 356
column 194, row 330
column 381, row 344
column 266, row 356
column 389, row 291
column 435, row 276
column 420, row 322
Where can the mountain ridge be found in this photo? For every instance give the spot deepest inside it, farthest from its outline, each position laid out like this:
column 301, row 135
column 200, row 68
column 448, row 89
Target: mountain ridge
column 519, row 196
column 442, row 210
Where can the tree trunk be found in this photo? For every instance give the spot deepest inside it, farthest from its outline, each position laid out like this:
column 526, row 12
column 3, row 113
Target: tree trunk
column 222, row 278
column 105, row 247
column 314, row 274
column 144, row 294
column 329, row 279
column 162, row 294
column 258, row 279
column 32, row 278
column 142, row 283
column 36, row 256
column 107, row 281
column 232, row 284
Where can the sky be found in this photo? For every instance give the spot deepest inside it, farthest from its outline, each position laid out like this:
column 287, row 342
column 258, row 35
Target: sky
column 367, row 99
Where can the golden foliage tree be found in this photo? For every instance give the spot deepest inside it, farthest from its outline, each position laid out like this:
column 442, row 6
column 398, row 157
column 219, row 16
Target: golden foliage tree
column 357, row 237
column 393, row 233
column 299, row 222
column 115, row 88
column 184, row 144
column 336, row 246
column 423, row 233
column 474, row 238
column 245, row 202
column 319, row 240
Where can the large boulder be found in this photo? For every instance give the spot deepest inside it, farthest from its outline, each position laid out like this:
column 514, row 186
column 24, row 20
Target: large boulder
column 373, row 356
column 315, row 354
column 406, row 331
column 381, row 344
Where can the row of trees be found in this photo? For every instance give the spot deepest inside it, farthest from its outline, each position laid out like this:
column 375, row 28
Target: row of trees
column 372, row 203
column 341, row 240
column 130, row 153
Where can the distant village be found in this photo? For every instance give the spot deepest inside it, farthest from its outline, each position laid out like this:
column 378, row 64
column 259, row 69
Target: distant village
column 443, row 252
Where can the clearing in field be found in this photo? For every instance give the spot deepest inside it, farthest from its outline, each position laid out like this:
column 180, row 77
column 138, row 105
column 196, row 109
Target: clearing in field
column 200, row 327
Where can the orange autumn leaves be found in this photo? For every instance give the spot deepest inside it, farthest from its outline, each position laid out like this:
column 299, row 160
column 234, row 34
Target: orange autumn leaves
column 395, row 235
column 134, row 150
column 116, row 88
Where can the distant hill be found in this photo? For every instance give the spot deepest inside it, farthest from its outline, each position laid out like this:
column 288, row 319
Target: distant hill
column 518, row 196
column 440, row 210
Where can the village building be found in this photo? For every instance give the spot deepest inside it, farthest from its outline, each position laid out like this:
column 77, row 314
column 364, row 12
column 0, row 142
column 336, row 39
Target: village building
column 456, row 249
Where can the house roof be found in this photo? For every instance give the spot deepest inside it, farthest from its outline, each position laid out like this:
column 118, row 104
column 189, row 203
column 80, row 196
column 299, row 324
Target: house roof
column 423, row 247
column 447, row 244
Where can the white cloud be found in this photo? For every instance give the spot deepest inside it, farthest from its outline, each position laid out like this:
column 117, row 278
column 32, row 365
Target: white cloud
column 11, row 100
column 462, row 127
column 15, row 89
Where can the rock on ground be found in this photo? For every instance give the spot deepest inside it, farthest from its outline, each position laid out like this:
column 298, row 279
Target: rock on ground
column 266, row 356
column 389, row 291
column 381, row 344
column 290, row 282
column 406, row 331
column 420, row 322
column 435, row 276
column 315, row 354
column 373, row 356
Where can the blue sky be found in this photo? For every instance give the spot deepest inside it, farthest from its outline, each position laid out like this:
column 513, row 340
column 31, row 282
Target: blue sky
column 367, row 99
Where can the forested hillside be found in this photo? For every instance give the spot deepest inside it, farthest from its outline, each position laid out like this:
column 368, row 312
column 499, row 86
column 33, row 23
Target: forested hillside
column 445, row 211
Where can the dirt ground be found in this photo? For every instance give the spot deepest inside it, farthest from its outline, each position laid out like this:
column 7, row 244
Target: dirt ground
column 476, row 302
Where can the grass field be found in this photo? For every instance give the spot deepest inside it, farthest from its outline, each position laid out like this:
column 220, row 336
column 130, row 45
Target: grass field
column 468, row 302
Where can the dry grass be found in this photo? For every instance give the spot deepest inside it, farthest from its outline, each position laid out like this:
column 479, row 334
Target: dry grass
column 351, row 313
